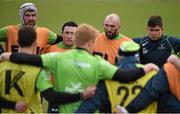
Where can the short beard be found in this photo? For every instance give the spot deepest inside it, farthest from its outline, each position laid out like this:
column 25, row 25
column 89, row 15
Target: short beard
column 111, row 36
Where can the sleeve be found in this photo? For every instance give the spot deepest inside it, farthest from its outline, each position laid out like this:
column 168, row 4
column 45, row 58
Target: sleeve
column 44, row 84
column 126, row 76
column 55, row 97
column 49, row 60
column 52, row 37
column 158, row 85
column 91, row 105
column 175, row 44
column 44, row 80
column 105, row 69
column 4, row 103
column 24, row 58
column 140, row 102
column 59, row 39
column 153, row 90
column 137, row 40
column 3, row 34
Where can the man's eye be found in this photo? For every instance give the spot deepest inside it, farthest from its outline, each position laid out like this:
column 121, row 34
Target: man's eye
column 154, row 30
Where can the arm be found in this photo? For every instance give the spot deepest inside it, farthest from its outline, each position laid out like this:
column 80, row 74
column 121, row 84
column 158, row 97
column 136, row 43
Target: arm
column 22, row 58
column 17, row 106
column 59, row 39
column 59, row 97
column 174, row 43
column 137, row 40
column 4, row 103
column 45, row 86
column 91, row 105
column 154, row 89
column 132, row 75
column 3, row 34
column 174, row 60
column 53, row 38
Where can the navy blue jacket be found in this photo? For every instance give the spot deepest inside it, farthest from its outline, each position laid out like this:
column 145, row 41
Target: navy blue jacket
column 157, row 51
column 156, row 89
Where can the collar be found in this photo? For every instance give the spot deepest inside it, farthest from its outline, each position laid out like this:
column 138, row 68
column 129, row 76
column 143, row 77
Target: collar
column 79, row 48
column 61, row 45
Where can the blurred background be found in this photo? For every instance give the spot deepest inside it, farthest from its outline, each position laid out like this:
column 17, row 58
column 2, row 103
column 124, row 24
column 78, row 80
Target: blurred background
column 134, row 13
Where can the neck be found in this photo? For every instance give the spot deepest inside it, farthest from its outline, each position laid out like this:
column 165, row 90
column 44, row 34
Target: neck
column 84, row 48
column 26, row 50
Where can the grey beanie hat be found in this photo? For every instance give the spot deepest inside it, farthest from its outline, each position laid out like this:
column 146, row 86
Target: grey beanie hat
column 24, row 8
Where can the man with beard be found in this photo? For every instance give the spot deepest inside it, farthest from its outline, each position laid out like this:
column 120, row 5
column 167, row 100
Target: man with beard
column 28, row 16
column 108, row 43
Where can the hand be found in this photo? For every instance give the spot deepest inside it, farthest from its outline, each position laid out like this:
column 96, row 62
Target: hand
column 149, row 67
column 174, row 60
column 121, row 110
column 89, row 92
column 21, row 107
column 5, row 56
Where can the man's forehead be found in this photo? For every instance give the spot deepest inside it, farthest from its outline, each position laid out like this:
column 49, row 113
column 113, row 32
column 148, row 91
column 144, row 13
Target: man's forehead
column 69, row 28
column 30, row 12
column 111, row 22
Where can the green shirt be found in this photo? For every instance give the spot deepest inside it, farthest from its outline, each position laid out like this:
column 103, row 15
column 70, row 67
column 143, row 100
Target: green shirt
column 4, row 31
column 44, row 81
column 75, row 70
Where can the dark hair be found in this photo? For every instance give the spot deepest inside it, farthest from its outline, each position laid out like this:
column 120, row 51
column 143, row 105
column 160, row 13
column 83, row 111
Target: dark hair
column 154, row 21
column 69, row 23
column 26, row 36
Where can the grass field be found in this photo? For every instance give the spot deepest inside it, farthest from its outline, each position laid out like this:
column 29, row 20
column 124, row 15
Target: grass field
column 134, row 13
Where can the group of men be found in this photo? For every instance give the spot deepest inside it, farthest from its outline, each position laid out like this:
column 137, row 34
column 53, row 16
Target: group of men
column 62, row 78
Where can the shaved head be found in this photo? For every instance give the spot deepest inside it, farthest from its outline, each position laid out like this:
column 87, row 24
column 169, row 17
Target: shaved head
column 111, row 25
column 113, row 18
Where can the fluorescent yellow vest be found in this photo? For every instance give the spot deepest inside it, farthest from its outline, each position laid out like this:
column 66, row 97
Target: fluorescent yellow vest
column 122, row 94
column 17, row 83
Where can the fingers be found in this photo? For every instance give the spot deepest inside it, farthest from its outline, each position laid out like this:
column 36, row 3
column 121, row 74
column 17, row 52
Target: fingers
column 5, row 56
column 121, row 110
column 89, row 92
column 21, row 107
column 150, row 67
column 175, row 61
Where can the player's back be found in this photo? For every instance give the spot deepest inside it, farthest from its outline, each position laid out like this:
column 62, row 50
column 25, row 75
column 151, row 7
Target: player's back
column 18, row 84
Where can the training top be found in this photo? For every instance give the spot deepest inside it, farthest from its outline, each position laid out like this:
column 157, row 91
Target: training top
column 75, row 70
column 60, row 47
column 157, row 51
column 17, row 83
column 108, row 48
column 9, row 34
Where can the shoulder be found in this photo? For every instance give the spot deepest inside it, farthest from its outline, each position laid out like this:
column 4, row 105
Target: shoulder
column 173, row 39
column 140, row 39
column 41, row 28
column 9, row 27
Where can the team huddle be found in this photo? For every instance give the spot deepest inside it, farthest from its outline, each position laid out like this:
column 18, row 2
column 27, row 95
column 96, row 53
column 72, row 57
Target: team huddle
column 83, row 70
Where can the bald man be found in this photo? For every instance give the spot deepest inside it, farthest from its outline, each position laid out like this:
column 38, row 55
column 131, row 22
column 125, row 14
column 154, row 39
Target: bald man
column 108, row 42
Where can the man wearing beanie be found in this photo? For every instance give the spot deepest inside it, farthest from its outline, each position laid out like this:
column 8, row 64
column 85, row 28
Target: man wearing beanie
column 109, row 94
column 28, row 16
